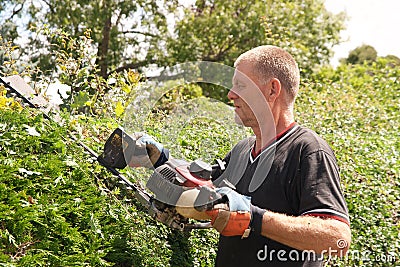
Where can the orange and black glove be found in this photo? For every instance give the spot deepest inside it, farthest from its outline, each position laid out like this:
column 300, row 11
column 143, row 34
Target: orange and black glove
column 239, row 217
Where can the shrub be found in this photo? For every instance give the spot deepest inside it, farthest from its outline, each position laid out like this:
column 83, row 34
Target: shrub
column 356, row 109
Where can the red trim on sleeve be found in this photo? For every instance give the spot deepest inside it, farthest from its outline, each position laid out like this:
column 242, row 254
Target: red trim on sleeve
column 329, row 216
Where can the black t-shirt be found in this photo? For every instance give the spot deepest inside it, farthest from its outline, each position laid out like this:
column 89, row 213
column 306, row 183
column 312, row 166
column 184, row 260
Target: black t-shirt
column 296, row 175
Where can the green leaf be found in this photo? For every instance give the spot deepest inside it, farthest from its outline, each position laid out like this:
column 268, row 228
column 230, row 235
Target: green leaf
column 119, row 109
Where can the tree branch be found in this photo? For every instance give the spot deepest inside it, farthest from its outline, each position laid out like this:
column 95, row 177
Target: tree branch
column 133, row 66
column 138, row 32
column 16, row 11
column 50, row 6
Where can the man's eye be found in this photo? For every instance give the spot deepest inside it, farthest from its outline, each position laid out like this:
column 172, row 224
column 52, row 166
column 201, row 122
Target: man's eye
column 239, row 85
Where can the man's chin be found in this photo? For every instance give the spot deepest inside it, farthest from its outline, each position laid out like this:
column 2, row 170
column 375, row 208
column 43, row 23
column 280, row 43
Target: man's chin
column 238, row 120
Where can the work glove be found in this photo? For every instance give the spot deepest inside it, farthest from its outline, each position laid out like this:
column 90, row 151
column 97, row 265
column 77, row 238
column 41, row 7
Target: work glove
column 193, row 203
column 238, row 218
column 148, row 153
column 186, row 204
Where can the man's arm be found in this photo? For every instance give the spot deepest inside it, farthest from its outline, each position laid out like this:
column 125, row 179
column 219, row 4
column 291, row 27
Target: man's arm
column 323, row 236
column 322, row 223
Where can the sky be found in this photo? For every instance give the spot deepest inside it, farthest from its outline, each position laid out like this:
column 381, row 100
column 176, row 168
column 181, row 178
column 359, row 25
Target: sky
column 371, row 22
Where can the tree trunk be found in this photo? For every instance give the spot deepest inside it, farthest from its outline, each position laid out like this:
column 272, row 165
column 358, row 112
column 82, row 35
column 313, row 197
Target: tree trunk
column 103, row 47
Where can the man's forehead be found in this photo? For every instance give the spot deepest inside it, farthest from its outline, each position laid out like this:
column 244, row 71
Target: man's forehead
column 242, row 75
column 244, row 69
column 237, row 75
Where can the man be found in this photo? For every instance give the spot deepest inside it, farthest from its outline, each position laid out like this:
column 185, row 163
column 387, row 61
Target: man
column 286, row 208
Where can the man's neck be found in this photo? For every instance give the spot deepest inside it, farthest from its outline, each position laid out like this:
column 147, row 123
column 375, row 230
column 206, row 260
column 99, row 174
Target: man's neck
column 265, row 134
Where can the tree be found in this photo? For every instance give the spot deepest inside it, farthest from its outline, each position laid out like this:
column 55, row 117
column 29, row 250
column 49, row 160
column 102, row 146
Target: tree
column 361, row 54
column 394, row 60
column 123, row 31
column 220, row 30
column 135, row 34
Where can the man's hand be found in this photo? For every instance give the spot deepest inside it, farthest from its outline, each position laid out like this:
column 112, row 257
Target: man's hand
column 147, row 151
column 238, row 218
column 186, row 205
column 234, row 215
column 232, row 219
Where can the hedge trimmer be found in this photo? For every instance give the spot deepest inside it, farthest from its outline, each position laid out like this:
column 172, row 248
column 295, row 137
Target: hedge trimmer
column 167, row 183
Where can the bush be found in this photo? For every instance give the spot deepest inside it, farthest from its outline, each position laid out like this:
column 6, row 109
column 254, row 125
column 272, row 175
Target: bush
column 58, row 209
column 356, row 109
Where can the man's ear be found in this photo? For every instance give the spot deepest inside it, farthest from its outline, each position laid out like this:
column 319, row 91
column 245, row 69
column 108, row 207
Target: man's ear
column 274, row 90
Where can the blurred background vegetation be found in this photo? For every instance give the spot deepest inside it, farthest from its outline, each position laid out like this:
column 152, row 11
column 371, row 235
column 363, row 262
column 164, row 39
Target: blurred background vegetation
column 59, row 208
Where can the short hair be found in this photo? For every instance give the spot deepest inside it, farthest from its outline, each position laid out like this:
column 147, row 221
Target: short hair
column 273, row 62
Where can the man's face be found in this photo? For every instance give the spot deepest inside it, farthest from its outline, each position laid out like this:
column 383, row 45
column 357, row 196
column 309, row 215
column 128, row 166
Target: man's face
column 247, row 97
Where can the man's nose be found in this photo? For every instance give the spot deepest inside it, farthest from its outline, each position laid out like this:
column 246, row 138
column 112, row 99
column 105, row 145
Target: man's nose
column 232, row 95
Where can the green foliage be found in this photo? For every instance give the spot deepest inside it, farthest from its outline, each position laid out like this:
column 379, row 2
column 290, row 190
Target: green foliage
column 361, row 54
column 393, row 60
column 356, row 109
column 59, row 208
column 89, row 91
column 119, row 28
column 305, row 29
column 132, row 35
column 7, row 102
column 221, row 30
column 74, row 59
column 8, row 60
column 177, row 95
column 52, row 211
